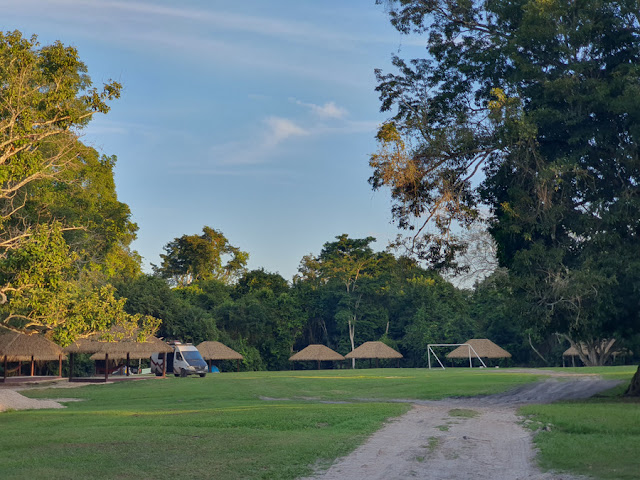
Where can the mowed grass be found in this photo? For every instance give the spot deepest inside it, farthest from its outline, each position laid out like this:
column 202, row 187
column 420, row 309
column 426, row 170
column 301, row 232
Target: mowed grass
column 598, row 437
column 260, row 425
column 270, row 425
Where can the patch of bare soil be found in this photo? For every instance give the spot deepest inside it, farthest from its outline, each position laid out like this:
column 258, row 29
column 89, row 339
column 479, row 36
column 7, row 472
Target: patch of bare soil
column 461, row 438
column 11, row 399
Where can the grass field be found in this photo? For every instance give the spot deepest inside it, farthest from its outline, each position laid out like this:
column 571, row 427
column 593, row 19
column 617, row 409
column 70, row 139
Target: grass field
column 599, row 437
column 267, row 425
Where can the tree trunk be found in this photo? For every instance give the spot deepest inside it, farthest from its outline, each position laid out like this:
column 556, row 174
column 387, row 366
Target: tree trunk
column 634, row 387
column 352, row 334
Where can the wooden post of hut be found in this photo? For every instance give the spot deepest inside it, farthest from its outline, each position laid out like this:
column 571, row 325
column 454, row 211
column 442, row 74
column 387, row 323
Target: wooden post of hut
column 4, row 378
column 60, row 366
column 71, row 360
column 128, row 356
column 32, row 365
column 106, row 367
column 164, row 364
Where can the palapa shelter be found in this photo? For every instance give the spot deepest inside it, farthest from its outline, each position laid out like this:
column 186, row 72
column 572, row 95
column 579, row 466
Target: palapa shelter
column 316, row 353
column 375, row 350
column 211, row 350
column 604, row 347
column 124, row 347
column 483, row 347
column 20, row 347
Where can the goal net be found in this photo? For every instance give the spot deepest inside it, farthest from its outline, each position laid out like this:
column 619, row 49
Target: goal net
column 472, row 353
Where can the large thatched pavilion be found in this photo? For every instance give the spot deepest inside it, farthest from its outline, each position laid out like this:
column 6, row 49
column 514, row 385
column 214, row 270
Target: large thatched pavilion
column 316, row 353
column 212, row 351
column 20, row 347
column 478, row 347
column 375, row 350
column 125, row 347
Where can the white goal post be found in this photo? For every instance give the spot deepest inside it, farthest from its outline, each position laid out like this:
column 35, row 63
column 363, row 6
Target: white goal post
column 471, row 349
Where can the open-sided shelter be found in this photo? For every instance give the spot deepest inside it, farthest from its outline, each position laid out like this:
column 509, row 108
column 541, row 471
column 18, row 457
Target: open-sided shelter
column 211, row 351
column 483, row 347
column 123, row 347
column 20, row 347
column 375, row 350
column 316, row 353
column 128, row 349
column 603, row 347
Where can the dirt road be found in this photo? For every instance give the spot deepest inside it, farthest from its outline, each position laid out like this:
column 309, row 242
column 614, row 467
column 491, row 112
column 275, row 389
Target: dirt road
column 460, row 439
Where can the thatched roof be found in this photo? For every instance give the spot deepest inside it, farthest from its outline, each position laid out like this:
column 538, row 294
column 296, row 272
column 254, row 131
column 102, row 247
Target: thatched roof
column 605, row 345
column 484, row 347
column 374, row 350
column 119, row 348
column 316, row 353
column 218, row 351
column 21, row 347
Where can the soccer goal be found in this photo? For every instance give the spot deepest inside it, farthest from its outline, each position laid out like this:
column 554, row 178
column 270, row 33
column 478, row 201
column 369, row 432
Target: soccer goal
column 471, row 349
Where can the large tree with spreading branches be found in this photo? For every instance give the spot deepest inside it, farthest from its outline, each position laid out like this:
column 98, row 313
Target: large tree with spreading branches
column 524, row 115
column 63, row 233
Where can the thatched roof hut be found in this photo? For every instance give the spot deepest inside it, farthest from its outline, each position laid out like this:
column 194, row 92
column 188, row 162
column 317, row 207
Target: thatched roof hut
column 374, row 350
column 484, row 347
column 17, row 347
column 123, row 346
column 131, row 349
column 20, row 347
column 602, row 348
column 211, row 350
column 316, row 353
column 605, row 345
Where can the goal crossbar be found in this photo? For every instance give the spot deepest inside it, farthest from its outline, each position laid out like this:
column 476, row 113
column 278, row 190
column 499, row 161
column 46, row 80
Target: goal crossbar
column 471, row 349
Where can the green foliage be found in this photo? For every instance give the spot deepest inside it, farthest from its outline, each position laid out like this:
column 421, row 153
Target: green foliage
column 182, row 317
column 191, row 258
column 63, row 233
column 531, row 110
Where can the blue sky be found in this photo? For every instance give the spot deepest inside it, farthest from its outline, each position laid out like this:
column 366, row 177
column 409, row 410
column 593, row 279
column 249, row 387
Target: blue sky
column 255, row 118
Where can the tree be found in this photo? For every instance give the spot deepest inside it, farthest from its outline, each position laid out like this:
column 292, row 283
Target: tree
column 46, row 98
column 530, row 110
column 191, row 258
column 347, row 261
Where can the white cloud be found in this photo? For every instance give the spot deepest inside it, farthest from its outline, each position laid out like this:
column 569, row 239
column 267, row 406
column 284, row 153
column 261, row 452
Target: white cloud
column 328, row 110
column 280, row 129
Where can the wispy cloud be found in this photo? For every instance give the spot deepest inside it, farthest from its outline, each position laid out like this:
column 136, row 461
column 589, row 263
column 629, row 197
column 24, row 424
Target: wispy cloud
column 280, row 129
column 328, row 110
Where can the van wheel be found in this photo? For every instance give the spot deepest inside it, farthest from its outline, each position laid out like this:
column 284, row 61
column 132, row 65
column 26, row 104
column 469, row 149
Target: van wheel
column 202, row 375
column 183, row 373
column 177, row 374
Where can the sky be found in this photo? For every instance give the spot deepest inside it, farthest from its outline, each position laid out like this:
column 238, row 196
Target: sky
column 256, row 118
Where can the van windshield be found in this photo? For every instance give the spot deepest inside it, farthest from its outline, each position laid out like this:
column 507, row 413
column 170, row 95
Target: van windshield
column 194, row 358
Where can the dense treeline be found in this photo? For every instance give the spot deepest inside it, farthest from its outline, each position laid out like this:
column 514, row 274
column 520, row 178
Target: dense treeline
column 348, row 287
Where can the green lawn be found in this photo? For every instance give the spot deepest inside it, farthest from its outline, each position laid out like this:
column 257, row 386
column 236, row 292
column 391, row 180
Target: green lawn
column 599, row 437
column 228, row 426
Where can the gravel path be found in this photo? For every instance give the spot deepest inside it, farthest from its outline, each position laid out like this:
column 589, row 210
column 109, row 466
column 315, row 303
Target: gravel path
column 432, row 441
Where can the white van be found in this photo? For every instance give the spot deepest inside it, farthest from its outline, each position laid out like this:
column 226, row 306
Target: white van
column 184, row 360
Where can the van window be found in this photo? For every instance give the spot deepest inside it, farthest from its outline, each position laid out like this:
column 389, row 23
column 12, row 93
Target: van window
column 178, row 356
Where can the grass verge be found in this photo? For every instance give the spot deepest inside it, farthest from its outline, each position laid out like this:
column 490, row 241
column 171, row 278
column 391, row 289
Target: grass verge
column 599, row 437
